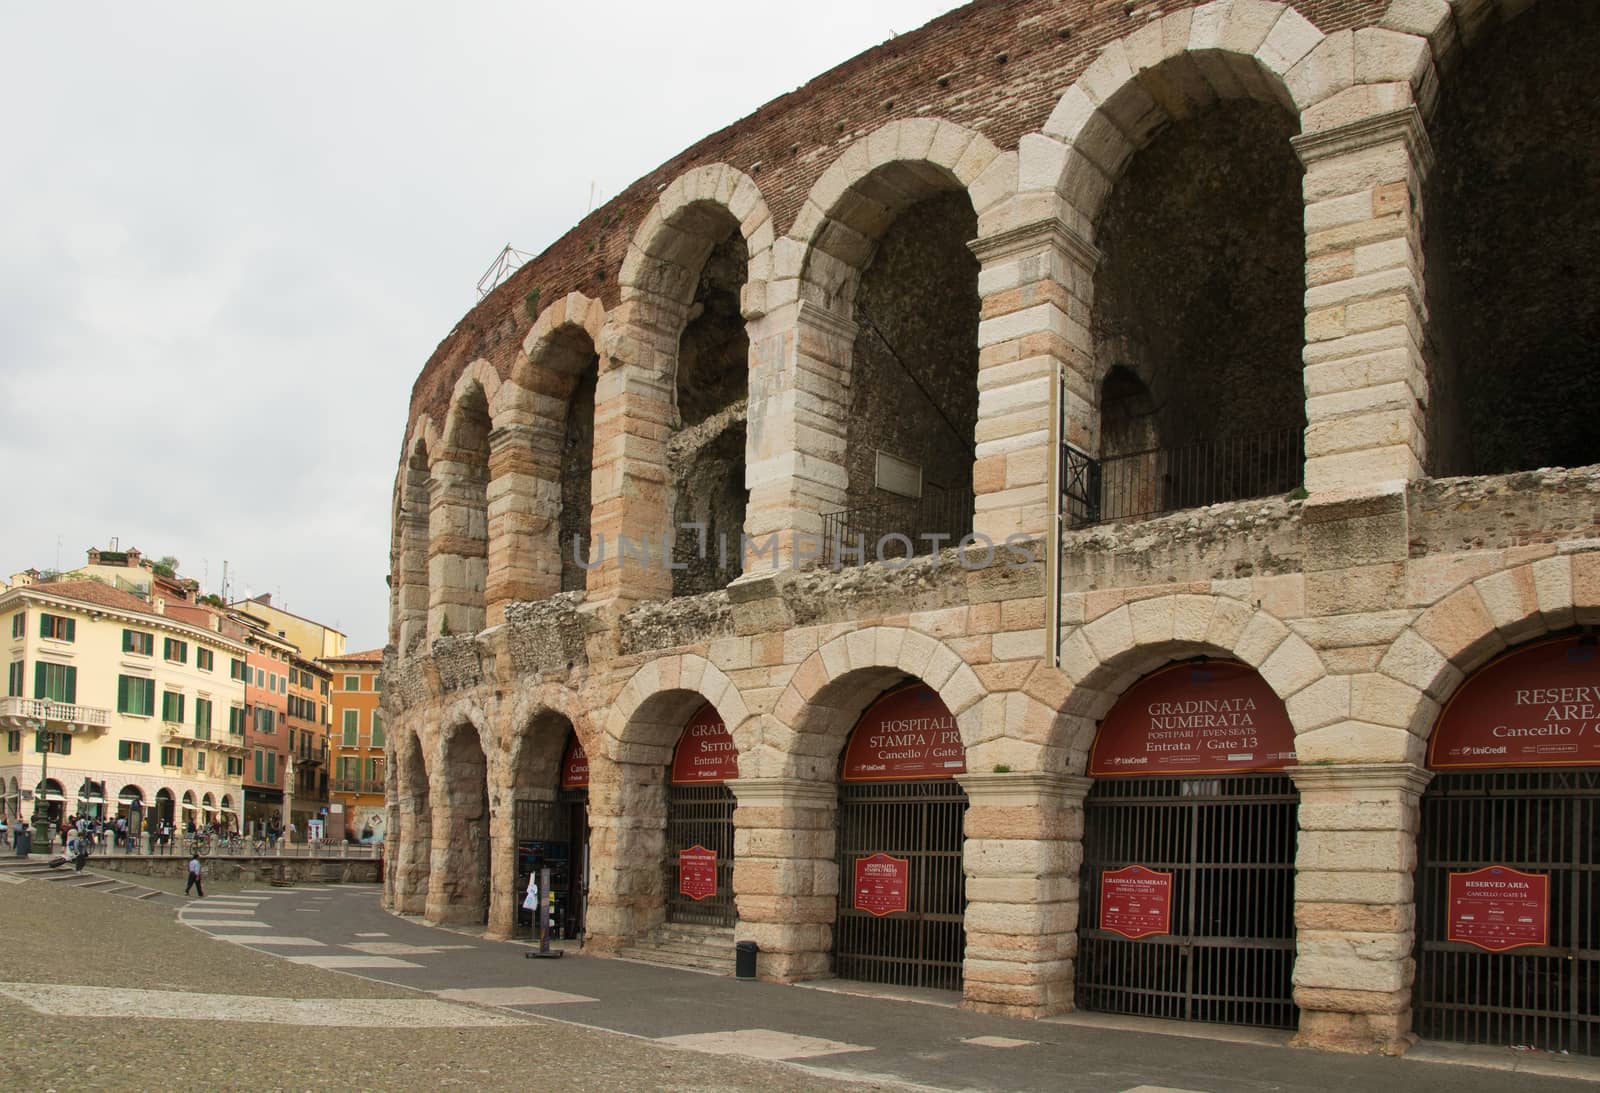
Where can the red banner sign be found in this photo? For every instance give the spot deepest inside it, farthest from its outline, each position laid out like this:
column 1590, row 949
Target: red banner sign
column 705, row 753
column 697, row 872
column 574, row 766
column 1136, row 902
column 1499, row 908
column 1219, row 717
column 1538, row 706
column 881, row 883
column 907, row 735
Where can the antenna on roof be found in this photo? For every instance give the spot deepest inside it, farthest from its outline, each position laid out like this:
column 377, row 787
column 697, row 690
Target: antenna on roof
column 507, row 262
column 590, row 209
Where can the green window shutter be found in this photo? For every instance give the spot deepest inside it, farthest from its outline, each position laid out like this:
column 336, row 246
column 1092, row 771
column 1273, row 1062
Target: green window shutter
column 72, row 686
column 122, row 694
column 149, row 698
column 38, row 679
column 127, row 647
column 44, row 626
column 72, row 629
column 66, row 744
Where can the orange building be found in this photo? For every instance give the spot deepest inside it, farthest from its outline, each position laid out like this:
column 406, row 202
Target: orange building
column 356, row 746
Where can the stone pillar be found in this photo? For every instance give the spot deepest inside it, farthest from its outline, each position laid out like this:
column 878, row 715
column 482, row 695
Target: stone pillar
column 1024, row 845
column 786, row 874
column 1036, row 283
column 1355, row 915
column 524, row 499
column 799, row 406
column 412, row 596
column 457, row 872
column 503, row 896
column 627, row 842
column 1366, row 380
column 414, row 855
column 457, row 543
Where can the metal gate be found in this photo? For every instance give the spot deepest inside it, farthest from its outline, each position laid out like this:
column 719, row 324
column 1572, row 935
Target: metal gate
column 919, row 821
column 1545, row 996
column 1229, row 843
column 700, row 816
column 543, row 834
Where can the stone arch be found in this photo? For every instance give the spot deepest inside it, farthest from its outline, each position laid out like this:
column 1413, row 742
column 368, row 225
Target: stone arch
column 458, row 515
column 1471, row 626
column 409, row 576
column 645, row 718
column 549, row 346
column 1447, row 28
column 413, row 852
column 482, row 375
column 835, row 684
column 1104, row 656
column 460, row 866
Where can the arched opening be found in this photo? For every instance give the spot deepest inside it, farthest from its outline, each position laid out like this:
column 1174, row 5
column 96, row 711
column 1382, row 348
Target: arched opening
column 458, row 890
column 458, row 527
column 13, row 802
column 190, row 812
column 1186, row 908
column 576, row 468
column 165, row 810
column 698, row 863
column 910, row 430
column 1512, row 248
column 549, row 790
column 902, row 890
column 413, row 568
column 227, row 820
column 1198, row 312
column 51, row 800
column 1508, row 872
column 705, row 453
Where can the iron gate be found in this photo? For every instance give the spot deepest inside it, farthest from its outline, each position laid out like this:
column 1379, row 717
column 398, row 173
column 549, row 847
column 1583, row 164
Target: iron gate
column 1545, row 996
column 919, row 821
column 1229, row 843
column 543, row 833
column 700, row 816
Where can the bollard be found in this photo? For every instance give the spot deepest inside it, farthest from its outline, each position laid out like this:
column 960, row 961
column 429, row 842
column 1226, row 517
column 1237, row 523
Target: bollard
column 744, row 960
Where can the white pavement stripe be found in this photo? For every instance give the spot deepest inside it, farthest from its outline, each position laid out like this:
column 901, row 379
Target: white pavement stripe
column 213, row 909
column 378, row 934
column 352, row 962
column 227, row 924
column 512, row 996
column 121, row 1002
column 252, row 939
column 997, row 1041
column 7, row 878
column 761, row 1043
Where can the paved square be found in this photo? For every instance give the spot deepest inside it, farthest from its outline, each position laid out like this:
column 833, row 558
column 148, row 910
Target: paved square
column 761, row 1043
column 997, row 1041
column 512, row 996
column 273, row 939
column 353, row 962
column 122, row 1002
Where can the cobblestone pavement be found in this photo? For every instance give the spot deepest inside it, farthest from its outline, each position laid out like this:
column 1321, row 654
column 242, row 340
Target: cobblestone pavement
column 55, row 934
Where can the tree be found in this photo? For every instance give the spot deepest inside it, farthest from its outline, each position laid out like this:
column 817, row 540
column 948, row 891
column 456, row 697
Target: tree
column 211, row 599
column 165, row 566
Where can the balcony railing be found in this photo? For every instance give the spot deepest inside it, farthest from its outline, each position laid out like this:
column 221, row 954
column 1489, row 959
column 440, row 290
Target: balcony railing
column 23, row 713
column 1161, row 480
column 356, row 785
column 884, row 529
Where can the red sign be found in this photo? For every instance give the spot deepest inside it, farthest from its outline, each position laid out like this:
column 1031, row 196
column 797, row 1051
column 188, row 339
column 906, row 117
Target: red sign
column 705, row 753
column 1536, row 707
column 907, row 735
column 1219, row 717
column 1499, row 908
column 574, row 766
column 697, row 872
column 1136, row 902
column 881, row 883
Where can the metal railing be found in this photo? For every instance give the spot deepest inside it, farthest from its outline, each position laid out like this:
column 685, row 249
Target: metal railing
column 41, row 709
column 884, row 529
column 1161, row 480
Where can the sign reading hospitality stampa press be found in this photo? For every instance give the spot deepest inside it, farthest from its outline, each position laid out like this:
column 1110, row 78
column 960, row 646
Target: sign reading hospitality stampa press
column 697, row 872
column 1219, row 717
column 881, row 883
column 907, row 735
column 1136, row 902
column 1537, row 707
column 1499, row 908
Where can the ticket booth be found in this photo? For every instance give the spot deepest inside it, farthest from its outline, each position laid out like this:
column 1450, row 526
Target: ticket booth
column 699, row 848
column 1508, row 874
column 902, row 891
column 554, row 834
column 1187, row 903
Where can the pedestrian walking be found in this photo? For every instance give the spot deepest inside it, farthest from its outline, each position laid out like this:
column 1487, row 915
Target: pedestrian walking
column 194, row 876
column 5, row 833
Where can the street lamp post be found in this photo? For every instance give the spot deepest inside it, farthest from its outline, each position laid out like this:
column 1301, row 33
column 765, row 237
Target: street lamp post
column 41, row 815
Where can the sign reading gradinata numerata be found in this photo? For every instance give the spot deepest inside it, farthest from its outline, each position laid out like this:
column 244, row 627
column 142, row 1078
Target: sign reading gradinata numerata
column 697, row 872
column 575, row 766
column 1536, row 707
column 881, row 883
column 705, row 753
column 1499, row 908
column 1136, row 902
column 907, row 735
column 1218, row 717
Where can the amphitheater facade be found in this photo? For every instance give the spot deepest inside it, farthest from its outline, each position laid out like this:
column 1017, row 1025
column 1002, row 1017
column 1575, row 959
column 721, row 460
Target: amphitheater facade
column 1256, row 339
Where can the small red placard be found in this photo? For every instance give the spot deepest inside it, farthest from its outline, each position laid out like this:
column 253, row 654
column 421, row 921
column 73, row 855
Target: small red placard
column 705, row 754
column 1136, row 902
column 697, row 872
column 574, row 766
column 1536, row 707
column 881, row 883
column 1218, row 717
column 907, row 735
column 1499, row 908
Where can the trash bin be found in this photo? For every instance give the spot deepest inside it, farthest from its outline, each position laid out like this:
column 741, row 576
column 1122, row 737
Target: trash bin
column 744, row 960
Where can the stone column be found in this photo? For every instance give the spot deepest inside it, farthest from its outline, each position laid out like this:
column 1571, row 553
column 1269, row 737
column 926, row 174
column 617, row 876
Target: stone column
column 1037, row 283
column 1355, row 915
column 503, row 896
column 1366, row 380
column 414, row 855
column 786, row 874
column 524, row 559
column 799, row 406
column 457, row 543
column 1024, row 845
column 412, row 595
column 456, row 877
column 627, row 840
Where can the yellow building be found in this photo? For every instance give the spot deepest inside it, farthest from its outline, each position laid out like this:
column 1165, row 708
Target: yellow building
column 356, row 744
column 313, row 639
column 111, row 705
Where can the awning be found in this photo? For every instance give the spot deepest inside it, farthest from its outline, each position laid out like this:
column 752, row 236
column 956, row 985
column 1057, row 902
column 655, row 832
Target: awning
column 189, row 806
column 51, row 797
column 96, row 799
column 131, row 797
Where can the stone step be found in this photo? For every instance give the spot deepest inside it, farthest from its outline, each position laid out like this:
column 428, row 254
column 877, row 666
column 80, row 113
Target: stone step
column 148, row 893
column 697, row 961
column 98, row 882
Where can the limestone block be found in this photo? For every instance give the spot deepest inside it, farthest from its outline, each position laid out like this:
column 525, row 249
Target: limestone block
column 1019, row 645
column 1351, row 972
column 1291, row 38
column 1151, row 620
column 1384, row 56
column 1357, row 742
column 1586, row 587
column 1021, row 919
column 1328, row 69
column 1111, row 634
column 1338, row 917
column 1552, row 581
column 1355, row 851
column 1260, row 638
column 1460, row 627
column 1316, row 886
column 1323, row 702
column 1513, row 603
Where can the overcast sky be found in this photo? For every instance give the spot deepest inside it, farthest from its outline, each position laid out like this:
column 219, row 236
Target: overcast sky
column 230, row 236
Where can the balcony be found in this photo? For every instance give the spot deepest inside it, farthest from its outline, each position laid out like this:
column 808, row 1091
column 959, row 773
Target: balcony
column 884, row 529
column 27, row 713
column 185, row 735
column 357, row 785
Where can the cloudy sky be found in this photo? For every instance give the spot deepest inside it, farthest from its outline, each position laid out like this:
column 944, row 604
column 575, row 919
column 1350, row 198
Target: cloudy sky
column 230, row 236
